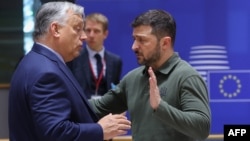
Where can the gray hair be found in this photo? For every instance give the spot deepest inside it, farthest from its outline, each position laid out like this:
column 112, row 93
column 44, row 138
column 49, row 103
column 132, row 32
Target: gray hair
column 51, row 12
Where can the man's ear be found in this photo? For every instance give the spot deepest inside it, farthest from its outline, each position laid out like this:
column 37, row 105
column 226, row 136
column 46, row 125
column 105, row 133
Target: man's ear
column 106, row 33
column 165, row 42
column 54, row 28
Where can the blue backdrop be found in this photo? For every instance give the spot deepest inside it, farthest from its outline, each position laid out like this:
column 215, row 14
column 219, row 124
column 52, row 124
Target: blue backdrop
column 212, row 35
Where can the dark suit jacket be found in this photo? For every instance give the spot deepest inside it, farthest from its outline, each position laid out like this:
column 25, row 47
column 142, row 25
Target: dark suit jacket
column 46, row 103
column 82, row 71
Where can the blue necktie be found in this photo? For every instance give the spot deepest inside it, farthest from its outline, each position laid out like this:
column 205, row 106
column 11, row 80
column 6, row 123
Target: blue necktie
column 98, row 64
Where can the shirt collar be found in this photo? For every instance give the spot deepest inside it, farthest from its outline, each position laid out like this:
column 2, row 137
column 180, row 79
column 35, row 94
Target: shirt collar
column 92, row 52
column 57, row 54
column 167, row 66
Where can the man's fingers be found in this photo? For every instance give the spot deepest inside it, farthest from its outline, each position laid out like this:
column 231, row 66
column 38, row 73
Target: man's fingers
column 122, row 120
column 124, row 127
column 151, row 72
column 152, row 77
column 121, row 132
column 119, row 116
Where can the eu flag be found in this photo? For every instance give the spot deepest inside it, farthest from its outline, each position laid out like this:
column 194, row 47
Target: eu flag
column 229, row 85
column 229, row 92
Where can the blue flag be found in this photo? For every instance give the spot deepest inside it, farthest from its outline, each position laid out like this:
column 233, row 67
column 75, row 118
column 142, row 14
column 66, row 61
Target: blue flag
column 229, row 85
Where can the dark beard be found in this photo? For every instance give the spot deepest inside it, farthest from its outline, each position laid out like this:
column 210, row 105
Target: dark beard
column 156, row 55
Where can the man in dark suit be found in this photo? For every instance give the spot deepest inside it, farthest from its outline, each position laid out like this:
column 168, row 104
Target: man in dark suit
column 46, row 103
column 95, row 83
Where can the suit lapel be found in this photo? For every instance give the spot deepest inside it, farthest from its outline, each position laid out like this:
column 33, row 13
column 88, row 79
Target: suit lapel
column 41, row 50
column 109, row 67
column 86, row 67
column 67, row 72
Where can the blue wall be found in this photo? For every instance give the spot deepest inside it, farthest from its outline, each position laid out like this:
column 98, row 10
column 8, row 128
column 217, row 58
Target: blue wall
column 224, row 23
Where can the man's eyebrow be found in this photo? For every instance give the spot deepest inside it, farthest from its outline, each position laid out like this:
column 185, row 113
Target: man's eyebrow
column 140, row 35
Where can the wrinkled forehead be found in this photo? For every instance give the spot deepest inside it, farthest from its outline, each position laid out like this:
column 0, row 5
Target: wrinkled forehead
column 142, row 31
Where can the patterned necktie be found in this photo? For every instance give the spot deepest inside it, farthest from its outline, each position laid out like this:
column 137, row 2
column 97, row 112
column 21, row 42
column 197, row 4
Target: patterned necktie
column 98, row 64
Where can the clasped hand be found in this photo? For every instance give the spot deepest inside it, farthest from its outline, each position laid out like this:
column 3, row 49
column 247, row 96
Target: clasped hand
column 114, row 125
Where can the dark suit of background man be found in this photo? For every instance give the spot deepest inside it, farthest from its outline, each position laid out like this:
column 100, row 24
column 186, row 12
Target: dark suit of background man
column 84, row 67
column 46, row 103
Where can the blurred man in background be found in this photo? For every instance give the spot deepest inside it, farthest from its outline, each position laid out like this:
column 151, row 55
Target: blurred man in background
column 96, row 69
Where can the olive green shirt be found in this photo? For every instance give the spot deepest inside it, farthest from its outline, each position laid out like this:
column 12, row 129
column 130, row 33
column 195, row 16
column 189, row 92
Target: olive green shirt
column 183, row 113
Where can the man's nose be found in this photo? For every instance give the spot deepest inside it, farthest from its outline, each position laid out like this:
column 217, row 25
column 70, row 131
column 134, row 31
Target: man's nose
column 83, row 36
